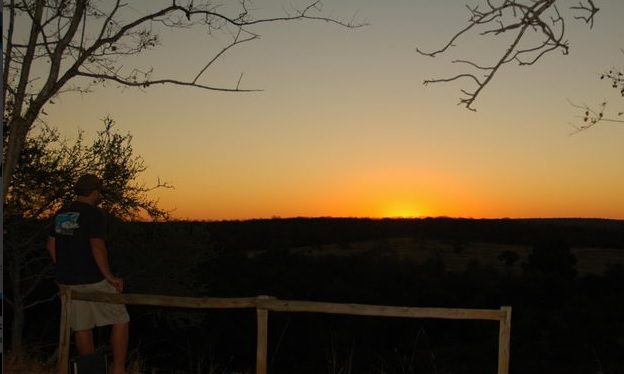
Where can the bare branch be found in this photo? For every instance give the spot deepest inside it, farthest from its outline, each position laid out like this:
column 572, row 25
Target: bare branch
column 449, row 44
column 147, row 83
column 41, row 301
column 236, row 41
column 537, row 27
column 590, row 9
column 81, row 38
column 8, row 56
column 592, row 117
column 616, row 76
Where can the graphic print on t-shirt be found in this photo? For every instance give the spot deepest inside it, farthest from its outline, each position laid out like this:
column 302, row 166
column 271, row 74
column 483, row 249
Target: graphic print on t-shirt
column 66, row 223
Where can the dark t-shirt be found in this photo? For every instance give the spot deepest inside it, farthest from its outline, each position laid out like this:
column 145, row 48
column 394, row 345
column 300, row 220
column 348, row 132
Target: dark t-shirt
column 73, row 228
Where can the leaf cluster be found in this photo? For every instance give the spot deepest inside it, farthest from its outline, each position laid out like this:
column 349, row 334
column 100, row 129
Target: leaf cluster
column 616, row 76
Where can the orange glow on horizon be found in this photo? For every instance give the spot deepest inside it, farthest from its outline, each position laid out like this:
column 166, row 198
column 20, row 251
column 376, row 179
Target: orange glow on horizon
column 382, row 193
column 399, row 209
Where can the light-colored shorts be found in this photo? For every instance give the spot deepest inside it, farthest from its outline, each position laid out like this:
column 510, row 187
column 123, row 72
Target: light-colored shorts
column 85, row 315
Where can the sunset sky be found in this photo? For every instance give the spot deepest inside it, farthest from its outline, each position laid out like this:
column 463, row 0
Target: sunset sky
column 344, row 126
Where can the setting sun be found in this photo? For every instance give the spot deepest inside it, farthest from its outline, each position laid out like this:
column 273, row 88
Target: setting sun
column 401, row 209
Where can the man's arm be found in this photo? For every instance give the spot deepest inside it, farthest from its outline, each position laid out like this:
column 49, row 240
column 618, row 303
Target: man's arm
column 51, row 246
column 100, row 253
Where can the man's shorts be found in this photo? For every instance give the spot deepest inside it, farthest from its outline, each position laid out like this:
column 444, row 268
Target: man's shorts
column 85, row 315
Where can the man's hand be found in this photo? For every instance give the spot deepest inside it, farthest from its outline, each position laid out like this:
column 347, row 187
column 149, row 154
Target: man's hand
column 118, row 283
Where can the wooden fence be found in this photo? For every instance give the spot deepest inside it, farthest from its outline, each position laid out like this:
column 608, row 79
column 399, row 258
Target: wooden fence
column 264, row 304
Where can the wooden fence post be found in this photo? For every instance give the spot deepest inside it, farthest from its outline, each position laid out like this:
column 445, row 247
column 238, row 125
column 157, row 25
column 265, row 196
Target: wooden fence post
column 64, row 336
column 504, row 340
column 262, row 338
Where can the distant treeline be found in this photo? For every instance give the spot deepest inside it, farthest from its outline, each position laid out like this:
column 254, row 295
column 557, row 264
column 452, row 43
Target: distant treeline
column 282, row 233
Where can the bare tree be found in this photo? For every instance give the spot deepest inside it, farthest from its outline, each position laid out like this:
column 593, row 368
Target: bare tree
column 50, row 44
column 536, row 28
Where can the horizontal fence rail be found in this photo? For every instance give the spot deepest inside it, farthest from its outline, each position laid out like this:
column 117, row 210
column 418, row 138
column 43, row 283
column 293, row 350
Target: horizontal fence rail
column 264, row 304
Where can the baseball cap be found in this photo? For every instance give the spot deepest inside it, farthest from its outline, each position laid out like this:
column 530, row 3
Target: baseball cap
column 87, row 183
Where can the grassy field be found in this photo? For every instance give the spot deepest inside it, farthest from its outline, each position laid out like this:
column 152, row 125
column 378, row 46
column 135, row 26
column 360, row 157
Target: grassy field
column 17, row 365
column 458, row 256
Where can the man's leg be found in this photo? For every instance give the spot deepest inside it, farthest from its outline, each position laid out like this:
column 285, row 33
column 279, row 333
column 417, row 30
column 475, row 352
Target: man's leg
column 84, row 342
column 119, row 346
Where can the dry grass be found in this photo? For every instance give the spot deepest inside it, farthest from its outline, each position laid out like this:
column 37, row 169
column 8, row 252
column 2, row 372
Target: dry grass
column 23, row 364
column 27, row 365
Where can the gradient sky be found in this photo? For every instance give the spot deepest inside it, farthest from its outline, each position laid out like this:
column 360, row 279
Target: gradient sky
column 345, row 127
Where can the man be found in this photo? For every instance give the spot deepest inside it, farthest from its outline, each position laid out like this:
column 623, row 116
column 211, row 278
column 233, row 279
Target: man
column 78, row 249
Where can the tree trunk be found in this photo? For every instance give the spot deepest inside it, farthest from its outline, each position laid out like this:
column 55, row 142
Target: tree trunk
column 18, row 128
column 17, row 329
column 17, row 324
